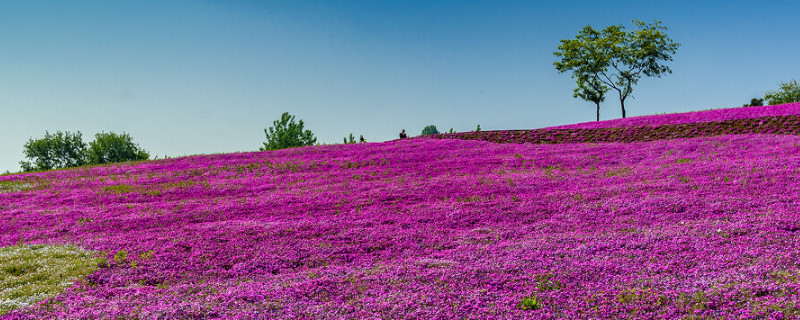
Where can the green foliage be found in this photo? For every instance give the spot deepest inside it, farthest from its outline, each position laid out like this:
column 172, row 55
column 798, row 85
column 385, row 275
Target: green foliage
column 615, row 57
column 14, row 186
column 591, row 89
column 547, row 282
column 349, row 140
column 530, row 303
column 286, row 133
column 32, row 273
column 352, row 139
column 478, row 129
column 111, row 147
column 121, row 257
column 755, row 102
column 788, row 93
column 66, row 150
column 54, row 151
column 430, row 129
column 120, row 188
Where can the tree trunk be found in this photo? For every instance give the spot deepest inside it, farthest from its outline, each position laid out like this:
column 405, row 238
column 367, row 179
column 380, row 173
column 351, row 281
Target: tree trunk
column 622, row 103
column 598, row 110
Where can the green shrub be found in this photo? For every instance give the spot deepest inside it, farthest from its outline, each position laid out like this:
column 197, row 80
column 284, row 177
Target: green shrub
column 66, row 150
column 54, row 151
column 351, row 140
column 111, row 147
column 430, row 129
column 788, row 93
column 286, row 133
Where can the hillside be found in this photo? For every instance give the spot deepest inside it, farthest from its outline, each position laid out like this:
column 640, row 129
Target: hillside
column 781, row 119
column 701, row 227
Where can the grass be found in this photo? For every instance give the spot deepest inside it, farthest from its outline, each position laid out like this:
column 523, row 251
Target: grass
column 32, row 273
column 14, row 186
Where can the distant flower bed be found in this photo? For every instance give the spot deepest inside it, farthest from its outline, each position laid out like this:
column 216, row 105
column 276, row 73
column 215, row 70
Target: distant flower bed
column 790, row 109
column 788, row 124
column 427, row 229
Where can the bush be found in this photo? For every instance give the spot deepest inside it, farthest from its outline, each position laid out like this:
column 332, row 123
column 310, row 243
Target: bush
column 755, row 102
column 428, row 130
column 788, row 93
column 111, row 147
column 285, row 133
column 54, row 151
column 66, row 150
column 351, row 140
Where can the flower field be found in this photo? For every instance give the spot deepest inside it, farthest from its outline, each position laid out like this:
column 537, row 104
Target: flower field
column 789, row 109
column 781, row 119
column 686, row 228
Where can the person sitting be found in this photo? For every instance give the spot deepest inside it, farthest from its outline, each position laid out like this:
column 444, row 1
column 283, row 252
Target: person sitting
column 403, row 134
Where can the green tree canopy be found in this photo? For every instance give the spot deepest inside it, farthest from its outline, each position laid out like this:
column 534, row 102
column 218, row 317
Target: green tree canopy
column 755, row 102
column 788, row 93
column 54, row 151
column 430, row 129
column 591, row 89
column 286, row 133
column 352, row 139
column 111, row 147
column 615, row 57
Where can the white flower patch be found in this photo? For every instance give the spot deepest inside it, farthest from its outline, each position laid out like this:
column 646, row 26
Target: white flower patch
column 32, row 273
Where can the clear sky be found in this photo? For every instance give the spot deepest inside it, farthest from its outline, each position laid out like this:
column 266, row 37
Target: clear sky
column 197, row 77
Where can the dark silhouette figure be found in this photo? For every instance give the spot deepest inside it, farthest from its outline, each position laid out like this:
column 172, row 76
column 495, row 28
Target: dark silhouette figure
column 361, row 139
column 403, row 134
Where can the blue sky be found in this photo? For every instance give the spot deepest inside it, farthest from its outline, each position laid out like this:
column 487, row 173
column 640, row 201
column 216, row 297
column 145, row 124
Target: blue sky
column 197, row 77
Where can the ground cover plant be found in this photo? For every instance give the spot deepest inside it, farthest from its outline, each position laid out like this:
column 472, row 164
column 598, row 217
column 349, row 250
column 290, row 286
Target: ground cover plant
column 422, row 228
column 789, row 109
column 783, row 119
column 31, row 273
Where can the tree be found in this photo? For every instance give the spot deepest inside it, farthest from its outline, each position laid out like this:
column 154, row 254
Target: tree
column 788, row 93
column 54, row 151
column 430, row 129
column 592, row 90
column 285, row 133
column 351, row 140
column 616, row 57
column 111, row 147
column 478, row 129
column 755, row 102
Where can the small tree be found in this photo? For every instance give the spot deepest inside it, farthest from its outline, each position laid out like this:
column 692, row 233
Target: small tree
column 755, row 102
column 54, row 151
column 478, row 129
column 111, row 147
column 430, row 129
column 591, row 89
column 286, row 133
column 788, row 93
column 351, row 140
column 616, row 57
